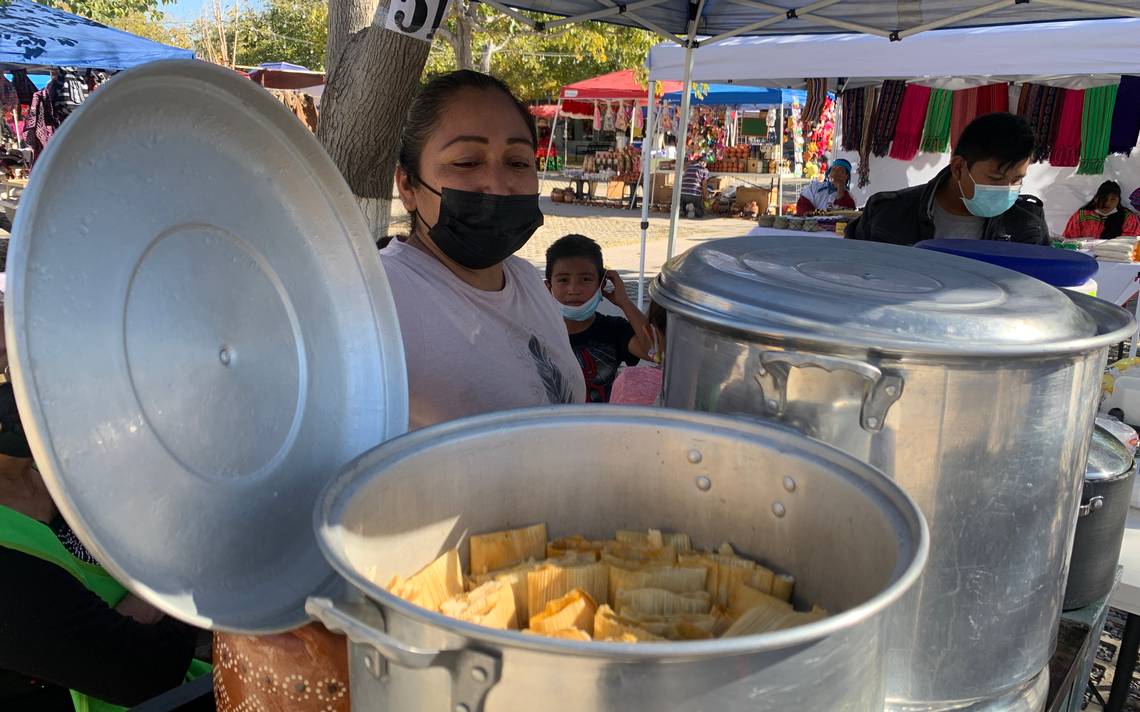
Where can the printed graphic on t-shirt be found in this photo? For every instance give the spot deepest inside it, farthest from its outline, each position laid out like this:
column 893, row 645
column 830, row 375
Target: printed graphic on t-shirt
column 558, row 390
column 599, row 367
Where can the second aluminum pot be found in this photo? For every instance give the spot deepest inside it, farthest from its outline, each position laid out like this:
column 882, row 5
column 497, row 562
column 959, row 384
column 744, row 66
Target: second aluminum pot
column 852, row 538
column 974, row 387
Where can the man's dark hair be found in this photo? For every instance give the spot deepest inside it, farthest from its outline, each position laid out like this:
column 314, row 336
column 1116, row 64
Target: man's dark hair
column 571, row 246
column 1006, row 138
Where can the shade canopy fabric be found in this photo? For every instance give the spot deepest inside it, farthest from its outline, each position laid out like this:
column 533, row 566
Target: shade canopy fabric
column 740, row 95
column 543, row 111
column 38, row 37
column 902, row 18
column 1056, row 48
column 615, row 85
column 283, row 75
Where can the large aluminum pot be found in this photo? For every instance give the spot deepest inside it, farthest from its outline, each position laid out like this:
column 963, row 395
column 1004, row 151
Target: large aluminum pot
column 1101, row 520
column 972, row 386
column 853, row 539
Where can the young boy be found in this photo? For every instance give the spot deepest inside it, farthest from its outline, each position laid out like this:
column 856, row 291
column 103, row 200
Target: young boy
column 576, row 277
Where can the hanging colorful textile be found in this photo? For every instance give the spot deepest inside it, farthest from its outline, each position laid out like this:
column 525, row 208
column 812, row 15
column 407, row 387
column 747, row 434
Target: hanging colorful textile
column 1125, row 116
column 936, row 130
column 964, row 110
column 993, row 98
column 1096, row 124
column 912, row 115
column 597, row 116
column 869, row 107
column 816, row 94
column 24, row 87
column 1067, row 145
column 621, row 118
column 886, row 115
column 40, row 124
column 608, row 120
column 1041, row 107
column 852, row 117
column 638, row 120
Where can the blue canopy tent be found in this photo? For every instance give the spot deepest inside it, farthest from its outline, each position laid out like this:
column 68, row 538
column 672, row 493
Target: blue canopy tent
column 36, row 37
column 737, row 95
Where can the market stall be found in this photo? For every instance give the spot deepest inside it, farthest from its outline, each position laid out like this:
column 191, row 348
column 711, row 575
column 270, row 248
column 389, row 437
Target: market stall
column 298, row 88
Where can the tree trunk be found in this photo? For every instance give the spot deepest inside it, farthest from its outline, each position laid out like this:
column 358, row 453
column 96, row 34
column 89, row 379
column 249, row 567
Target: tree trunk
column 373, row 75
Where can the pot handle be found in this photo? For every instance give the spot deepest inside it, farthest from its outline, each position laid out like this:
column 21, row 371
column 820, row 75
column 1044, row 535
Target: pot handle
column 1091, row 506
column 473, row 672
column 882, row 389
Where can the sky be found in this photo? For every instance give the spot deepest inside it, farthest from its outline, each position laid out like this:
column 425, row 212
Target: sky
column 190, row 10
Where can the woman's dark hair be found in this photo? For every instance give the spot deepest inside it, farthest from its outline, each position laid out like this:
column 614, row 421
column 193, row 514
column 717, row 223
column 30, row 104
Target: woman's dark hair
column 1006, row 138
column 432, row 99
column 657, row 316
column 1113, row 224
column 571, row 246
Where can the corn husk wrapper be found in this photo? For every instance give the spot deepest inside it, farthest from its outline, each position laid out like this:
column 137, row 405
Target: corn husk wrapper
column 564, row 634
column 435, row 583
column 654, row 537
column 516, row 578
column 686, row 626
column 678, row 579
column 501, row 550
column 634, row 552
column 744, row 598
column 577, row 543
column 783, row 586
column 553, row 580
column 706, row 561
column 659, row 602
column 765, row 619
column 492, row 605
column 614, row 628
column 574, row 610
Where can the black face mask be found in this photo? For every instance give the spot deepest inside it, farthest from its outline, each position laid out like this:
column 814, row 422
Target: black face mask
column 480, row 230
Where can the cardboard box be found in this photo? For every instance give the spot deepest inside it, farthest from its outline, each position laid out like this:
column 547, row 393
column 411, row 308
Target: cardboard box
column 615, row 190
column 762, row 197
column 662, row 195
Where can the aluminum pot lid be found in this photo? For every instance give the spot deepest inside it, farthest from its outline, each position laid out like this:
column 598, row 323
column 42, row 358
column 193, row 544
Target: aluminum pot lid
column 868, row 294
column 201, row 336
column 1108, row 457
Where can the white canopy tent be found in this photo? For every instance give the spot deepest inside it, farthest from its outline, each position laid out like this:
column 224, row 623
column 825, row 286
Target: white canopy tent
column 716, row 21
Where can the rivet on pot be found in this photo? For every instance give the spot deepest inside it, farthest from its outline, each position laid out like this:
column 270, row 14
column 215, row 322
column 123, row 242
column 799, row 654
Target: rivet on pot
column 372, row 663
column 873, row 422
column 892, row 390
column 462, row 708
column 778, row 509
column 773, row 405
column 789, row 484
column 478, row 674
column 704, row 484
column 695, row 456
column 225, row 356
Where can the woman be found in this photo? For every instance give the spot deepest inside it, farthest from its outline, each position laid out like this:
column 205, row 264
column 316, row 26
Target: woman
column 1103, row 216
column 829, row 194
column 481, row 332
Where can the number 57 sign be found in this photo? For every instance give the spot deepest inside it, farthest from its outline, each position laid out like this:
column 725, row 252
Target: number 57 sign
column 416, row 18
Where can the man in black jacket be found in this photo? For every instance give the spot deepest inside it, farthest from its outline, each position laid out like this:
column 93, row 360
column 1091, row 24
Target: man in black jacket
column 975, row 197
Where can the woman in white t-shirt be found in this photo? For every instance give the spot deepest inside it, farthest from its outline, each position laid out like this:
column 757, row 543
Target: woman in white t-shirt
column 481, row 332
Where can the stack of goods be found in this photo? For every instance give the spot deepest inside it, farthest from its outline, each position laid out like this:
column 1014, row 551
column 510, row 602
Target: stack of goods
column 707, row 134
column 638, row 587
column 735, row 159
column 625, row 164
column 1120, row 249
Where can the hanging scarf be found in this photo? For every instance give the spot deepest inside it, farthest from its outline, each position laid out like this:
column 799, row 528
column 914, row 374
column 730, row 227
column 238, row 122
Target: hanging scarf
column 638, row 121
column 886, row 115
column 1047, row 121
column 1067, row 145
column 993, row 98
column 41, row 123
column 936, row 129
column 908, row 131
column 24, row 87
column 1126, row 116
column 1096, row 124
column 869, row 108
column 964, row 109
column 852, row 116
column 816, row 94
column 597, row 116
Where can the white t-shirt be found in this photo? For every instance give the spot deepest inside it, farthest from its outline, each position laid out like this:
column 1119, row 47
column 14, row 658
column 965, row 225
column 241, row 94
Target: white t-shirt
column 469, row 351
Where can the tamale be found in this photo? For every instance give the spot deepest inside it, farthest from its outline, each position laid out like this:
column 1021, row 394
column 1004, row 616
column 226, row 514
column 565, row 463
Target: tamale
column 685, row 626
column 574, row 610
column 516, row 578
column 708, row 562
column 579, row 543
column 612, row 627
column 634, row 552
column 564, row 634
column 553, row 580
column 433, row 584
column 761, row 619
column 782, row 586
column 678, row 579
column 680, row 542
column 743, row 598
column 659, row 602
column 501, row 550
column 492, row 605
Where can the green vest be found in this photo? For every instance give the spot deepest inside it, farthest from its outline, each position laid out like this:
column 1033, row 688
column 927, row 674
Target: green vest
column 34, row 538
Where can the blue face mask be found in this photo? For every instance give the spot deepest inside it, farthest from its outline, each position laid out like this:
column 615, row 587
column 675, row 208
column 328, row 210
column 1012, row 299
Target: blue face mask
column 989, row 201
column 582, row 312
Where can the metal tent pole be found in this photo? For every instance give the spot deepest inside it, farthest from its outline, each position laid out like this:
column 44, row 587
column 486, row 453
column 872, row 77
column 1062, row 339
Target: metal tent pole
column 646, row 149
column 682, row 144
column 550, row 144
column 780, row 159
